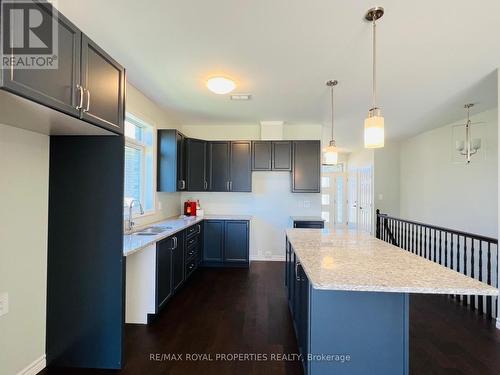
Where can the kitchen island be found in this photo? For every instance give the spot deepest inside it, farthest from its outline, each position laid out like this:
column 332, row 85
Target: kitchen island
column 348, row 293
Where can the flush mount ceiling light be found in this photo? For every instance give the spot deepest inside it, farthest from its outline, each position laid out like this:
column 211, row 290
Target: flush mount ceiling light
column 220, row 85
column 330, row 153
column 374, row 123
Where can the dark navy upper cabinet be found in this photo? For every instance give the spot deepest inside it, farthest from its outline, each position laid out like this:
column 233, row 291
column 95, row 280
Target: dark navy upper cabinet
column 261, row 155
column 236, row 242
column 241, row 166
column 163, row 271
column 196, row 165
column 103, row 82
column 218, row 169
column 282, row 156
column 170, row 161
column 55, row 88
column 86, row 84
column 306, row 164
column 213, row 245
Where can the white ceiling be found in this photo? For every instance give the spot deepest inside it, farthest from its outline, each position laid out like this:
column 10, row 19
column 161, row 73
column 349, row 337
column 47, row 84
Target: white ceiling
column 433, row 57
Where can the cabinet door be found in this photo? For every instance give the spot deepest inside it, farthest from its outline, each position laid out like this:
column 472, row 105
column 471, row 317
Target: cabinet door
column 163, row 272
column 306, row 167
column 55, row 88
column 178, row 261
column 303, row 324
column 180, row 160
column 261, row 155
column 219, row 165
column 104, row 82
column 282, row 156
column 241, row 166
column 196, row 165
column 236, row 242
column 213, row 241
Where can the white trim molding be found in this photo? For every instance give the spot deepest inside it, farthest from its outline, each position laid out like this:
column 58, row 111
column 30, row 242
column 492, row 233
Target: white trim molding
column 498, row 323
column 263, row 258
column 35, row 367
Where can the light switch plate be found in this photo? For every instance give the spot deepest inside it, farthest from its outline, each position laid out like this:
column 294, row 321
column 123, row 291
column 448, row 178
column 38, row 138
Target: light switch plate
column 4, row 303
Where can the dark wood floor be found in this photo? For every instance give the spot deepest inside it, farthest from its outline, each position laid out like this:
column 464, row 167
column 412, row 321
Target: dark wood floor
column 245, row 311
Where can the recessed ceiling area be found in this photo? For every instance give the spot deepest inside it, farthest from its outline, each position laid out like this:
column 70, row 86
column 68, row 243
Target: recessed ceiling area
column 433, row 56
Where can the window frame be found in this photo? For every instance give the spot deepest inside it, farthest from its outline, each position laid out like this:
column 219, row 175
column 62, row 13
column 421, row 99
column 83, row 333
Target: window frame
column 143, row 148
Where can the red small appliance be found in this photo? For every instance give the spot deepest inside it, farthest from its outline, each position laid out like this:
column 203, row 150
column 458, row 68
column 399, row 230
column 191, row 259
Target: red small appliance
column 190, row 208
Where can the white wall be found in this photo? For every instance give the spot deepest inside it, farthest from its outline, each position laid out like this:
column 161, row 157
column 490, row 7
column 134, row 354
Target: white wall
column 360, row 159
column 24, row 186
column 437, row 190
column 271, row 202
column 386, row 176
column 168, row 204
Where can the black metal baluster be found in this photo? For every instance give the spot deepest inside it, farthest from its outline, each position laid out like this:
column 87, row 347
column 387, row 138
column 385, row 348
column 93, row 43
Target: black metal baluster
column 472, row 298
column 480, row 298
column 425, row 242
column 458, row 258
column 420, row 242
column 488, row 281
column 440, row 249
column 451, row 256
column 414, row 239
column 446, row 249
column 464, row 298
column 435, row 247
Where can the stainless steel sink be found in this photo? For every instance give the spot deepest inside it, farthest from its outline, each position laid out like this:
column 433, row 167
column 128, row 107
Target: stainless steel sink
column 152, row 231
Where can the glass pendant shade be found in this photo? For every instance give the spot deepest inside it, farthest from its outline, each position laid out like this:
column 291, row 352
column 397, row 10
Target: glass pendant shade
column 374, row 131
column 330, row 155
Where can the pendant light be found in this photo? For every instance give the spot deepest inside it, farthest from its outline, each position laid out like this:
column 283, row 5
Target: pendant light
column 374, row 123
column 470, row 146
column 330, row 153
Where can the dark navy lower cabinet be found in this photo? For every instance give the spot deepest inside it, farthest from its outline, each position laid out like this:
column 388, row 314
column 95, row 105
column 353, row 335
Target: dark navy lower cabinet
column 347, row 332
column 236, row 242
column 226, row 243
column 213, row 242
column 163, row 271
column 177, row 261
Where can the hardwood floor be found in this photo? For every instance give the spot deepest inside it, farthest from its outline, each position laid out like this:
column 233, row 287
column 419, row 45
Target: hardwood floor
column 229, row 311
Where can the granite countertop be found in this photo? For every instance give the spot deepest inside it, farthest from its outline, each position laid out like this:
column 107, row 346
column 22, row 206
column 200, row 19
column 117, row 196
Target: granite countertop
column 133, row 242
column 307, row 218
column 345, row 259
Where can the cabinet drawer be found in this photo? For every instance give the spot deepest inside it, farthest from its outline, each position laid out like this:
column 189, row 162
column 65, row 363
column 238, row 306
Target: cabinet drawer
column 192, row 230
column 191, row 267
column 192, row 241
column 191, row 252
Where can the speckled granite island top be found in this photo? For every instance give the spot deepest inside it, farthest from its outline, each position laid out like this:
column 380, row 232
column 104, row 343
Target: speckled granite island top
column 355, row 261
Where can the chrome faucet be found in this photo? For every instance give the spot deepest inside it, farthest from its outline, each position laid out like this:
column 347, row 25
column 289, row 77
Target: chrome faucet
column 130, row 221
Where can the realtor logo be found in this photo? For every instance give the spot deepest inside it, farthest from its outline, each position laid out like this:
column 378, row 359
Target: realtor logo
column 29, row 34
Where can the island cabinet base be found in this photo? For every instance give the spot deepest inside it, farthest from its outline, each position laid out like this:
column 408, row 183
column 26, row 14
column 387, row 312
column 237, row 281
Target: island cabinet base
column 347, row 332
column 363, row 332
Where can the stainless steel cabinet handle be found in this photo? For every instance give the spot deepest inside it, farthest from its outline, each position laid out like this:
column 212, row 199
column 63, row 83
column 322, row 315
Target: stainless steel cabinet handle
column 199, row 228
column 297, row 264
column 230, row 185
column 175, row 243
column 88, row 100
column 227, row 186
column 205, row 185
column 182, row 184
column 80, row 99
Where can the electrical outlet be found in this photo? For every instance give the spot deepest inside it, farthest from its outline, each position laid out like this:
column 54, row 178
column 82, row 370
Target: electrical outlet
column 307, row 204
column 4, row 303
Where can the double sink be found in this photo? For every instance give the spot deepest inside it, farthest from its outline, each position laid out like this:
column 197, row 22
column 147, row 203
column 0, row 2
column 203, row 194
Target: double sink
column 152, row 231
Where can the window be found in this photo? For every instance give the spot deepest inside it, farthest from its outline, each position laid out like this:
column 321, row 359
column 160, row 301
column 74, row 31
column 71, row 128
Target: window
column 139, row 163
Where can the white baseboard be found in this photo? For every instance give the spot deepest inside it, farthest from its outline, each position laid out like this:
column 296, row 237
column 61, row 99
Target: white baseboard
column 263, row 258
column 498, row 323
column 35, row 367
